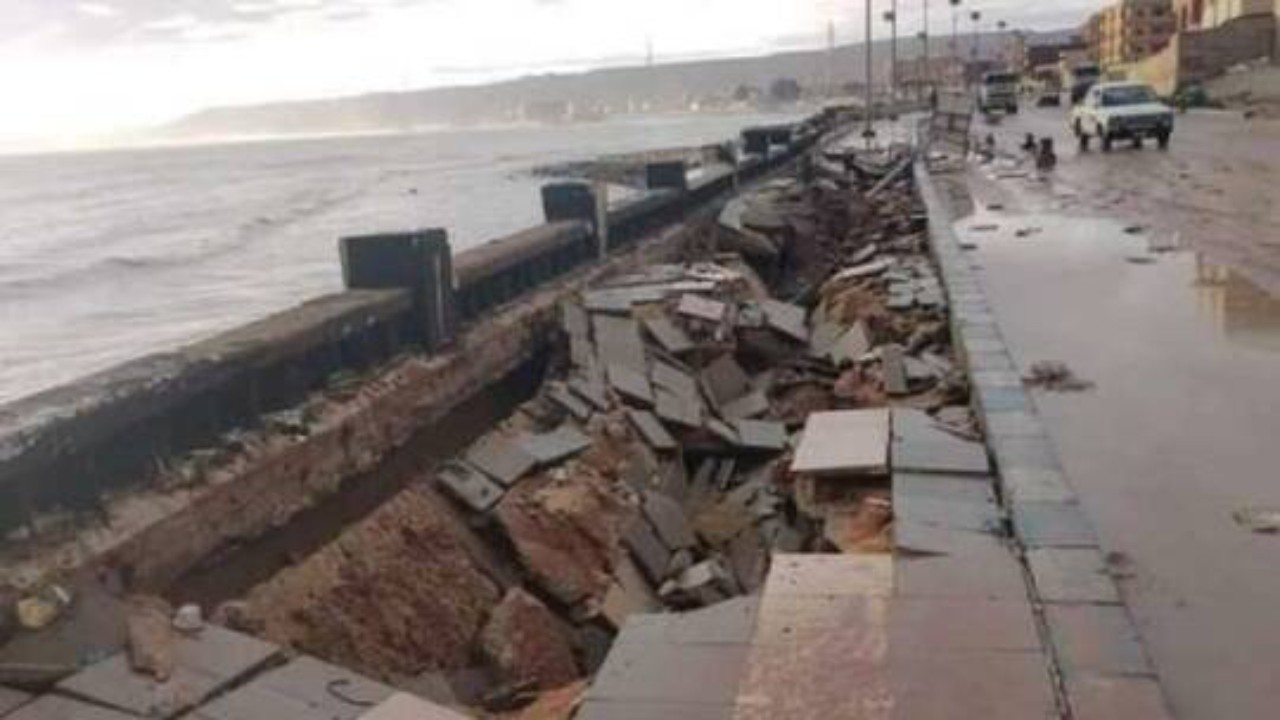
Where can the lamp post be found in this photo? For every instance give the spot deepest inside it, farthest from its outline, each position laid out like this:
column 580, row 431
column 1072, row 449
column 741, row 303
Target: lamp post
column 955, row 28
column 869, row 132
column 973, row 51
column 925, row 73
column 1004, row 41
column 891, row 17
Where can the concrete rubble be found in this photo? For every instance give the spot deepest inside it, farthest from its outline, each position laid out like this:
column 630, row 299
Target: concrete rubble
column 698, row 419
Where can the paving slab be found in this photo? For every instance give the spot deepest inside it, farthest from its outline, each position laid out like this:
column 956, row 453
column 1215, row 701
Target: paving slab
column 968, row 488
column 669, row 521
column 761, row 435
column 920, row 446
column 1098, row 639
column 829, row 574
column 203, row 665
column 847, row 442
column 403, row 706
column 732, row 622
column 1095, row 697
column 618, row 342
column 787, row 319
column 894, row 369
column 850, row 345
column 556, row 446
column 1052, row 524
column 11, row 699
column 677, row 409
column 502, row 459
column 651, row 556
column 1072, row 575
column 57, row 707
column 701, row 308
column 313, row 681
column 823, row 336
column 753, row 404
column 995, row 685
column 1013, row 423
column 981, row 568
column 725, row 380
column 648, row 670
column 574, row 319
column 669, row 335
column 944, row 625
column 651, row 430
column 639, row 710
column 631, row 385
column 561, row 395
column 470, row 486
column 951, row 513
column 592, row 391
column 676, row 380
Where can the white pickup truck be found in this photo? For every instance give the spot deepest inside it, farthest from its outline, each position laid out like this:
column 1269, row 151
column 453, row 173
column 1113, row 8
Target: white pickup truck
column 1121, row 110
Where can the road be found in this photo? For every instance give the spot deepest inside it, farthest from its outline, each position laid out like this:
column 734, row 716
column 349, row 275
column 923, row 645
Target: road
column 1156, row 275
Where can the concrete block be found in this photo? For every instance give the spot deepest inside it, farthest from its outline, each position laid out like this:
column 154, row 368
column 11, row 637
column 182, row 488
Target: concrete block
column 1072, row 575
column 568, row 201
column 668, row 175
column 420, row 261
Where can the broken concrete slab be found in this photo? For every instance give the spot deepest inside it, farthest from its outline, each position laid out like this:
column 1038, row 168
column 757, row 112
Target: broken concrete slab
column 470, row 486
column 846, row 442
column 850, row 346
column 678, row 410
column 895, row 373
column 631, row 385
column 618, row 342
column 668, row 334
column 11, row 699
column 554, row 447
column 919, row 446
column 824, row 335
column 760, row 435
column 574, row 319
column 787, row 319
column 651, row 556
column 725, row 380
column 701, row 308
column 502, row 459
column 676, row 380
column 828, row 575
column 311, row 681
column 669, row 521
column 703, row 584
column 651, row 430
column 629, row 595
column 561, row 395
column 525, row 643
column 592, row 391
column 751, row 405
column 1072, row 575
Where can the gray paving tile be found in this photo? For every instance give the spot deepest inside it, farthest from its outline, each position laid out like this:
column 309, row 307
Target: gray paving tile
column 649, row 671
column 1052, row 524
column 725, row 380
column 1016, row 424
column 556, row 446
column 631, row 710
column 971, row 488
column 1031, row 484
column 651, row 430
column 631, row 385
column 980, row 361
column 502, row 459
column 983, row 568
column 988, row 685
column 761, row 435
column 618, row 342
column 11, row 699
column 844, row 442
column 669, row 521
column 1099, row 639
column 919, row 446
column 1072, row 575
column 1094, row 697
column 470, row 486
column 1002, row 399
column 942, row 625
column 56, row 707
column 204, row 664
column 668, row 334
column 786, row 318
column 313, row 681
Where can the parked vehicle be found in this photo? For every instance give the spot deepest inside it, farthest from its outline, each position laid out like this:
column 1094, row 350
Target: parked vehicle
column 1122, row 110
column 998, row 91
column 1079, row 78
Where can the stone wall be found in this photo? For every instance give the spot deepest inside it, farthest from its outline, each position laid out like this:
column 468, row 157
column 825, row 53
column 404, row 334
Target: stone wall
column 1200, row 55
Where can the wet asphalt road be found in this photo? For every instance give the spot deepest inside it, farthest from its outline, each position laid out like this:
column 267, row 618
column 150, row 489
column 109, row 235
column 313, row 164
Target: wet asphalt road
column 1183, row 427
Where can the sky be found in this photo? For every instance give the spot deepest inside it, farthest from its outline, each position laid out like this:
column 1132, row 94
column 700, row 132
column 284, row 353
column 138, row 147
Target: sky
column 75, row 67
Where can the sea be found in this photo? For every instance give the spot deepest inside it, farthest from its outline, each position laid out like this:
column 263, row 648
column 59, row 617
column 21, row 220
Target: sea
column 106, row 256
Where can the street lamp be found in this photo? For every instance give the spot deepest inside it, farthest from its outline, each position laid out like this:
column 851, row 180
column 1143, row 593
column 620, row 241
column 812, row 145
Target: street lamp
column 1001, row 25
column 869, row 132
column 955, row 28
column 973, row 51
column 926, row 75
column 891, row 17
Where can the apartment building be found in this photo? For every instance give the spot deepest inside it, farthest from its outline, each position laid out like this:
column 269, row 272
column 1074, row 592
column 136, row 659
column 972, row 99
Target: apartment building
column 1131, row 30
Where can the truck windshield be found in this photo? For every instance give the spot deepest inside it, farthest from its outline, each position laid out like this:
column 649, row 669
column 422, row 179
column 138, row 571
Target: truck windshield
column 1131, row 95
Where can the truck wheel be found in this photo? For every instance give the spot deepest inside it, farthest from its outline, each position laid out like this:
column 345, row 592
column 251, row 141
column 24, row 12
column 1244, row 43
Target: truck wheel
column 1107, row 141
column 1137, row 143
column 1162, row 141
column 1013, row 109
column 1082, row 137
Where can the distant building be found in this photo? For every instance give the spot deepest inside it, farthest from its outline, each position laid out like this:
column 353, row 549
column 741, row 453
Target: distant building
column 1205, row 14
column 1131, row 30
column 1032, row 52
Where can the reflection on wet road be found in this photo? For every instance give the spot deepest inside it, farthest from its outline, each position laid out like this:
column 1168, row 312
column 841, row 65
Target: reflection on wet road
column 1183, row 427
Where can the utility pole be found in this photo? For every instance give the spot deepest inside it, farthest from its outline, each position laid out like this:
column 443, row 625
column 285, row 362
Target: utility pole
column 955, row 27
column 869, row 133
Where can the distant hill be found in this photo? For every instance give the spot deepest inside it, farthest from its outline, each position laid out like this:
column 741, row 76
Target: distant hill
column 605, row 91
